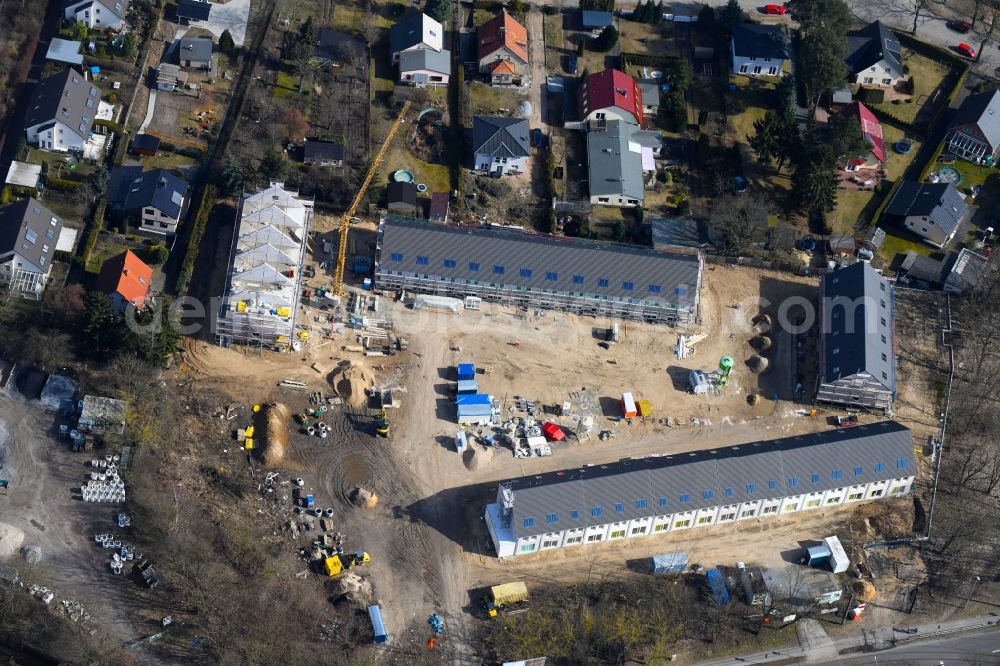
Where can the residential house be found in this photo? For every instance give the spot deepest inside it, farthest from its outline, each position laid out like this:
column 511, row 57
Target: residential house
column 874, row 56
column 649, row 94
column 958, row 272
column 871, row 132
column 595, row 21
column 153, row 200
column 425, row 67
column 610, row 95
column 439, row 207
column 503, row 49
column 655, row 496
column 65, row 51
column 126, row 279
column 323, row 153
column 28, row 235
column 195, row 52
column 193, row 11
column 62, row 112
column 500, row 145
column 401, row 198
column 415, row 32
column 614, row 169
column 857, row 362
column 99, row 14
column 974, row 132
column 933, row 211
column 759, row 50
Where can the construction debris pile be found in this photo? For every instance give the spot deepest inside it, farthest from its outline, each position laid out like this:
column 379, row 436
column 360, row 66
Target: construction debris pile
column 73, row 610
column 123, row 551
column 271, row 428
column 104, row 486
column 351, row 382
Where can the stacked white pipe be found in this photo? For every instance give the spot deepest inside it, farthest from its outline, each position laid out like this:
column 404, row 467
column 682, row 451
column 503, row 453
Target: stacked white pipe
column 104, row 486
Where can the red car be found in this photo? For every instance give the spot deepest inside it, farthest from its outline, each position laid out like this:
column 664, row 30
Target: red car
column 775, row 9
column 967, row 51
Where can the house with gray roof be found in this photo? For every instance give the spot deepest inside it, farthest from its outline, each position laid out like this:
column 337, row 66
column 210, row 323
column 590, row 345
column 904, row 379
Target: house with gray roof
column 193, row 11
column 62, row 111
column 933, row 211
column 514, row 267
column 425, row 67
column 759, row 50
column 874, row 56
column 195, row 52
column 661, row 494
column 974, row 133
column 958, row 272
column 500, row 145
column 28, row 235
column 154, row 200
column 323, row 153
column 614, row 166
column 857, row 361
column 649, row 90
column 99, row 14
column 415, row 31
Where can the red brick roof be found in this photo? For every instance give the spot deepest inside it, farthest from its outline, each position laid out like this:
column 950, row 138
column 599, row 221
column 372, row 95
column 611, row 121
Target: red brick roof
column 502, row 31
column 127, row 275
column 611, row 89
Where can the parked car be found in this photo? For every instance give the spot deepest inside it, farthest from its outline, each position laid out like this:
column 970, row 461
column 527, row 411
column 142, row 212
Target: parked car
column 775, row 9
column 961, row 27
column 967, row 50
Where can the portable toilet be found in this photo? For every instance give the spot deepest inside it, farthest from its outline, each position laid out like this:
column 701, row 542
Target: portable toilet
column 461, row 441
column 629, row 408
column 375, row 614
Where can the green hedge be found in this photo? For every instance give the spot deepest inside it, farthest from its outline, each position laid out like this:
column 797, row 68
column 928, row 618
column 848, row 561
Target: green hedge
column 645, row 60
column 205, row 206
column 110, row 124
column 93, row 232
column 61, row 184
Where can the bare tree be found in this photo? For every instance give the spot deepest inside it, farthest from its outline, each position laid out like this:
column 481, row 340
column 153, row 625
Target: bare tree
column 739, row 220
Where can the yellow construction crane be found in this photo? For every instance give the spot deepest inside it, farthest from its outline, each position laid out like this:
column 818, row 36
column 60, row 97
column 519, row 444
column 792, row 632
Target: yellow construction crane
column 345, row 222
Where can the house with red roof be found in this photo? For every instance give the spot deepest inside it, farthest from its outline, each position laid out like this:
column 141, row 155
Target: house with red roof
column 871, row 130
column 503, row 49
column 610, row 95
column 126, row 279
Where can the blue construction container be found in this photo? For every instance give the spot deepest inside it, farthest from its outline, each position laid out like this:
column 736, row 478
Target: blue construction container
column 466, row 371
column 818, row 555
column 362, row 263
column 310, row 501
column 717, row 587
column 467, row 386
column 375, row 614
column 471, row 399
column 666, row 563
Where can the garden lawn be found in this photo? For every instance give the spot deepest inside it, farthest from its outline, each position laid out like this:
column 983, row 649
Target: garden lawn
column 398, row 156
column 487, row 100
column 850, row 203
column 927, row 75
column 896, row 244
column 897, row 164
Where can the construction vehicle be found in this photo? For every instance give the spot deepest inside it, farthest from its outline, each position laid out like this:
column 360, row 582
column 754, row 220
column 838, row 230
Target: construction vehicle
column 502, row 596
column 340, row 562
column 345, row 222
column 382, row 424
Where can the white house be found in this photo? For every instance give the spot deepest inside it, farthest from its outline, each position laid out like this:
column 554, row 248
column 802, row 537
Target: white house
column 62, row 112
column 933, row 211
column 28, row 235
column 874, row 56
column 662, row 494
column 500, row 145
column 153, row 200
column 415, row 31
column 759, row 50
column 97, row 13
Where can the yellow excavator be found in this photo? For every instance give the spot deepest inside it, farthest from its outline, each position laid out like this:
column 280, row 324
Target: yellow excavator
column 337, row 564
column 345, row 222
column 382, row 424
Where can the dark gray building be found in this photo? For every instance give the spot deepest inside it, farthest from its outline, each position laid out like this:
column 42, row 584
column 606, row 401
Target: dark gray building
column 874, row 56
column 933, row 211
column 516, row 268
column 974, row 133
column 857, row 361
column 28, row 235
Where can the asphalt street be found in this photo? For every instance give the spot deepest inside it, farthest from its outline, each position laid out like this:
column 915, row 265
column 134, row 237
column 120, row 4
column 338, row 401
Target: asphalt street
column 965, row 649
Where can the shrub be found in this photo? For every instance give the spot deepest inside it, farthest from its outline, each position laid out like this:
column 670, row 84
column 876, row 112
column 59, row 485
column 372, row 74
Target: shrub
column 61, row 184
column 196, row 153
column 550, row 10
column 871, row 95
column 684, row 208
column 909, row 86
column 166, row 145
column 157, row 254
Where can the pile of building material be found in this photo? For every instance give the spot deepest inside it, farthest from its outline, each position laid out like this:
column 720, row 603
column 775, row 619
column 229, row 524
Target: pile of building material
column 352, row 381
column 271, row 428
column 104, row 486
column 43, row 594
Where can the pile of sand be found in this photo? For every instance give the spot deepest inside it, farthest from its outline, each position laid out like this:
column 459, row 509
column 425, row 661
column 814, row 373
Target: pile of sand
column 365, row 498
column 760, row 342
column 351, row 382
column 351, row 588
column 11, row 539
column 757, row 364
column 477, row 457
column 864, row 590
column 761, row 324
column 271, row 430
column 31, row 554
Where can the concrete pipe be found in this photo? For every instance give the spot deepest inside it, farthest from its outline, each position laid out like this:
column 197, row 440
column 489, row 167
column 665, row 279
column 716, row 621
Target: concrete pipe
column 329, row 513
column 311, row 431
column 323, row 433
column 300, row 483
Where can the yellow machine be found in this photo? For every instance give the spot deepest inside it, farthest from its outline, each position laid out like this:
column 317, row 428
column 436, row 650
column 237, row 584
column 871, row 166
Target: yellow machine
column 382, row 424
column 337, row 564
column 500, row 596
column 248, row 438
column 338, row 278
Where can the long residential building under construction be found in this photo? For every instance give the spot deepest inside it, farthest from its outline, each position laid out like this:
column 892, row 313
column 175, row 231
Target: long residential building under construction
column 264, row 283
column 512, row 267
column 661, row 494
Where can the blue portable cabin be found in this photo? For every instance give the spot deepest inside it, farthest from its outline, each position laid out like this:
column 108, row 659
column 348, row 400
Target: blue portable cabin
column 473, row 408
column 466, row 371
column 818, row 555
column 375, row 615
column 467, row 386
column 666, row 563
column 717, row 587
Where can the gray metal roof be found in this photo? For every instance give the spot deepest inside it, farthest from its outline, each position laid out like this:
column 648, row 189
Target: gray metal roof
column 663, row 485
column 434, row 61
column 313, row 149
column 983, row 111
column 515, row 258
column 857, row 316
column 396, row 192
column 116, row 7
column 132, row 188
column 870, row 46
column 198, row 10
column 67, row 97
column 595, row 19
column 409, row 31
column 500, row 137
column 966, row 270
column 195, row 48
column 650, row 89
column 760, row 41
column 941, row 202
column 614, row 168
column 31, row 230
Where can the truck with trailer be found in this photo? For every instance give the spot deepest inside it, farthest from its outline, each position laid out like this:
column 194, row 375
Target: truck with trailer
column 504, row 596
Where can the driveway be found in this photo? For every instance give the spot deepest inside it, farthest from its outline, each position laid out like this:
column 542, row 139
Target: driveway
column 232, row 16
column 536, row 60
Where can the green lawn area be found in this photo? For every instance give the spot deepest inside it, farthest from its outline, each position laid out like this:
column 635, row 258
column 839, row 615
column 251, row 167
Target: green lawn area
column 742, row 123
column 486, row 100
column 553, row 30
column 927, row 75
column 849, row 206
column 288, row 83
column 972, row 174
column 897, row 164
column 638, row 37
column 351, row 18
column 168, row 160
column 398, row 156
column 896, row 244
column 103, row 252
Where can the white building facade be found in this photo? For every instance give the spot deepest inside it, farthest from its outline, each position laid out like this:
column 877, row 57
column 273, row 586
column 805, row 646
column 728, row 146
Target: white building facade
column 535, row 513
column 98, row 14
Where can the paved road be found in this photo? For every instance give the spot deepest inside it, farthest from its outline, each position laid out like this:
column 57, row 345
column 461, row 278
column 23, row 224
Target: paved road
column 984, row 630
column 966, row 649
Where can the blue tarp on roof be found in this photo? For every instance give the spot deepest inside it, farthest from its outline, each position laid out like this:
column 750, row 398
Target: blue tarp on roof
column 592, row 19
column 466, row 371
column 473, row 399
